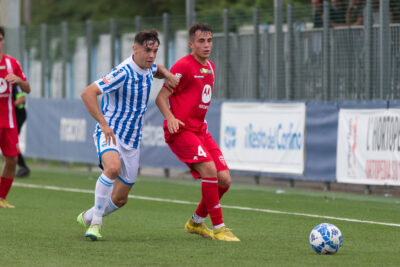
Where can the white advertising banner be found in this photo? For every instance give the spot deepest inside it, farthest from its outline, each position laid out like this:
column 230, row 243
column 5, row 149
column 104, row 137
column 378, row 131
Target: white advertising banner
column 368, row 148
column 263, row 137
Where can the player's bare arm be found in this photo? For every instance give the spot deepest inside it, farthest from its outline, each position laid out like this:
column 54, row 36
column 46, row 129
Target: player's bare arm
column 171, row 81
column 89, row 97
column 162, row 103
column 14, row 79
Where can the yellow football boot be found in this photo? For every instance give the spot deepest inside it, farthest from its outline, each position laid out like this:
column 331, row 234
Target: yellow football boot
column 224, row 234
column 93, row 232
column 4, row 204
column 81, row 221
column 198, row 228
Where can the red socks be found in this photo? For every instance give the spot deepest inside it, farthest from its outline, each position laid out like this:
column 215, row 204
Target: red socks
column 222, row 190
column 5, row 185
column 211, row 185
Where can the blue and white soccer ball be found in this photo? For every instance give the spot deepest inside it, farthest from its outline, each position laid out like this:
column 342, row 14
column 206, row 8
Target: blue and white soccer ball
column 326, row 238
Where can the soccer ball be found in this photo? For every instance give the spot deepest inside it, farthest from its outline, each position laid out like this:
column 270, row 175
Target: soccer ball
column 326, row 238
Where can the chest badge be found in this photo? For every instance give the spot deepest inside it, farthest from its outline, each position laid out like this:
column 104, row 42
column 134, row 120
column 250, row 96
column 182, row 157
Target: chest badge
column 3, row 85
column 206, row 95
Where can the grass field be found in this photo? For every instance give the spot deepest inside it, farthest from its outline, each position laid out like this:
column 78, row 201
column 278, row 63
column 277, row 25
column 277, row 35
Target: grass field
column 148, row 231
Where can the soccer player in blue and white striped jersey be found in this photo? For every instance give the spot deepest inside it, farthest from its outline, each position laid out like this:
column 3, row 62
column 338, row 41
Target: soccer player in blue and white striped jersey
column 117, row 136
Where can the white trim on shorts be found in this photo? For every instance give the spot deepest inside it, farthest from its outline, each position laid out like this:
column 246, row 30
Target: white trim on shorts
column 129, row 157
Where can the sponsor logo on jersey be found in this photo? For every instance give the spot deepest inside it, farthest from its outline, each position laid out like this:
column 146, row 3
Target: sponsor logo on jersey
column 109, row 78
column 195, row 158
column 198, row 76
column 3, row 85
column 105, row 80
column 2, row 67
column 204, row 70
column 203, row 106
column 206, row 95
column 178, row 75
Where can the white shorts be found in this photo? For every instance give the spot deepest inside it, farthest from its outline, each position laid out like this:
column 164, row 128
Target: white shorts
column 129, row 157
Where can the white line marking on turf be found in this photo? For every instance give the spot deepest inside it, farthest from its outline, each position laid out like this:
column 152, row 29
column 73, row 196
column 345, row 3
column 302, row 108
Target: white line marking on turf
column 56, row 188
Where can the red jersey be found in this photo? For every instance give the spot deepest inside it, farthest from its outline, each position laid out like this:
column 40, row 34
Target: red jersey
column 7, row 116
column 192, row 97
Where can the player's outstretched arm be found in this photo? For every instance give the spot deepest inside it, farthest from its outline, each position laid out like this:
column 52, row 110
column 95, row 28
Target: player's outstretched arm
column 89, row 97
column 162, row 103
column 171, row 81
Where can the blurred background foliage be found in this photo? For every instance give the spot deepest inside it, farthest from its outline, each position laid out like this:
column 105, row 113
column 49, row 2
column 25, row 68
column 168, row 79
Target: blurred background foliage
column 56, row 11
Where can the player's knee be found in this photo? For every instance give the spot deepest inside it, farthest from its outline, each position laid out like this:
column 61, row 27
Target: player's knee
column 11, row 161
column 225, row 182
column 112, row 171
column 210, row 171
column 224, row 179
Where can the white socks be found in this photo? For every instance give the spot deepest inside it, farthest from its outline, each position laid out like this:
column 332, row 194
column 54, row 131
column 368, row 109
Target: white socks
column 104, row 187
column 110, row 208
column 197, row 218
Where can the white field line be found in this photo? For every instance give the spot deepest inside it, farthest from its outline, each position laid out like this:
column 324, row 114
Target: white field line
column 56, row 188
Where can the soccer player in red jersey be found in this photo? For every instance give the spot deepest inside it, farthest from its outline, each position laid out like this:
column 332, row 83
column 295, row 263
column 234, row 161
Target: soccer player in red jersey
column 10, row 74
column 185, row 131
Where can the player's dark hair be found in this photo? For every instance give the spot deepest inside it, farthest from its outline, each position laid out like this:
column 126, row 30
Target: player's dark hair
column 203, row 27
column 2, row 31
column 145, row 36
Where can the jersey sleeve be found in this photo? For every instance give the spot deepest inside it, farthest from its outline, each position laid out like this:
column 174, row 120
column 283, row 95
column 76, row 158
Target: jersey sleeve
column 180, row 70
column 18, row 70
column 113, row 81
column 154, row 69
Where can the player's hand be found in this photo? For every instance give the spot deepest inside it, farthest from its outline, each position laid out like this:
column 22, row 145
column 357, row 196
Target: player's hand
column 173, row 125
column 12, row 78
column 109, row 134
column 171, row 82
column 19, row 101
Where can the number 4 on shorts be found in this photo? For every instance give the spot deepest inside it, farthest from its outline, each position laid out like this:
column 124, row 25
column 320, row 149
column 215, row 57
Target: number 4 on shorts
column 201, row 152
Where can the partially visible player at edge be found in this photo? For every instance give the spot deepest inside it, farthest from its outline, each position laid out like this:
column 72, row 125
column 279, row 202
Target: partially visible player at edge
column 186, row 132
column 10, row 74
column 118, row 132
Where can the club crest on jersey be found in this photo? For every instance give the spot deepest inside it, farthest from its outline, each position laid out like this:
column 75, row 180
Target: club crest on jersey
column 204, row 70
column 3, row 85
column 206, row 95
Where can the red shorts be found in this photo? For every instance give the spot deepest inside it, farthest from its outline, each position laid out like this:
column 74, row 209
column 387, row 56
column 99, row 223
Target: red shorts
column 9, row 142
column 191, row 147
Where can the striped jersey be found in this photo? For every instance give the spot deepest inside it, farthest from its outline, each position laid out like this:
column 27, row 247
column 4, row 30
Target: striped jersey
column 8, row 65
column 126, row 91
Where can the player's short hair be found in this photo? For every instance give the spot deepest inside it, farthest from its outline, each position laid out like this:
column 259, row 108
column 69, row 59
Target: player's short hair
column 148, row 35
column 203, row 27
column 2, row 31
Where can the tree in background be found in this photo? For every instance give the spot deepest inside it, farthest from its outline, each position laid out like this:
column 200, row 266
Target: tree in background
column 56, row 11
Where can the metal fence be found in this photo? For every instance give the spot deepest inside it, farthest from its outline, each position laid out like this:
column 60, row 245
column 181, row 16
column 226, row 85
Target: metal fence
column 264, row 54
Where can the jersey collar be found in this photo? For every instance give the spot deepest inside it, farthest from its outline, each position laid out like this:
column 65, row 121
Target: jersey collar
column 136, row 68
